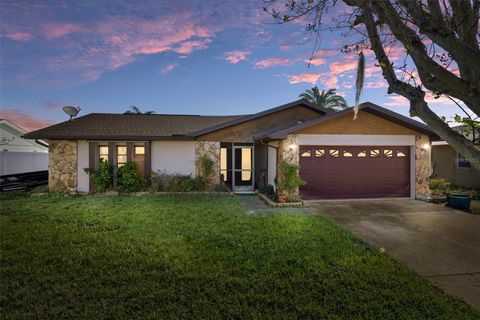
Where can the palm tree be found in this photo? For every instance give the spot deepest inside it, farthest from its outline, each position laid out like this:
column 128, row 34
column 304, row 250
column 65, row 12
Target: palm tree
column 325, row 99
column 136, row 110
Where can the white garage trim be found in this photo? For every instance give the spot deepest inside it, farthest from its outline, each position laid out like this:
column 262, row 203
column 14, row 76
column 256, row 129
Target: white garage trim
column 355, row 140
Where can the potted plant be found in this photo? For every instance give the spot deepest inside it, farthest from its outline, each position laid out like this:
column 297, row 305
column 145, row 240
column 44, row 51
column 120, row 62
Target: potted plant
column 282, row 198
column 459, row 201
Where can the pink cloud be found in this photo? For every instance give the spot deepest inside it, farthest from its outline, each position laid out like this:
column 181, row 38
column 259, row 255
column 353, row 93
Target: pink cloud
column 311, row 78
column 19, row 36
column 286, row 47
column 272, row 62
column 330, row 82
column 316, row 61
column 24, row 119
column 343, row 66
column 58, row 30
column 190, row 46
column 236, row 56
column 169, row 67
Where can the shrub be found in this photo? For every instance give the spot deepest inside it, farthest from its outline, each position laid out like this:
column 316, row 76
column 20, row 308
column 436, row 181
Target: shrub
column 159, row 181
column 475, row 207
column 268, row 190
column 128, row 181
column 185, row 183
column 103, row 177
column 290, row 177
column 439, row 186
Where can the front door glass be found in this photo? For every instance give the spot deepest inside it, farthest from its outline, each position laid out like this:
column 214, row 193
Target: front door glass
column 243, row 168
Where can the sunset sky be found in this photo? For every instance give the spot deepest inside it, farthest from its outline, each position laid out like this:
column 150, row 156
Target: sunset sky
column 189, row 57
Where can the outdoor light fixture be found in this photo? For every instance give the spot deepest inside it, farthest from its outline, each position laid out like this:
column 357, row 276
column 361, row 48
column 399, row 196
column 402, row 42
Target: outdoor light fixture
column 426, row 147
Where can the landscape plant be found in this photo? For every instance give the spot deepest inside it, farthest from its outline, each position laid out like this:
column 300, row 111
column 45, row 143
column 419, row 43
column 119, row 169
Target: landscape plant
column 103, row 176
column 128, row 180
column 290, row 180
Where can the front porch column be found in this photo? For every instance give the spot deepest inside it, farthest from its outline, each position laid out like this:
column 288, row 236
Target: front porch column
column 211, row 149
column 288, row 151
column 423, row 165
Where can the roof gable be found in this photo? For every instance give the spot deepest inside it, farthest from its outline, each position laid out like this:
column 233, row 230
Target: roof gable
column 367, row 107
column 301, row 102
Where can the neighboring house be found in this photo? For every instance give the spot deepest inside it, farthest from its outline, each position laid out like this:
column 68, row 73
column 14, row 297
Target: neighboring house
column 19, row 155
column 452, row 166
column 381, row 154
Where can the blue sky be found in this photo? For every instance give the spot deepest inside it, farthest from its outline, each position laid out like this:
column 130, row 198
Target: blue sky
column 190, row 57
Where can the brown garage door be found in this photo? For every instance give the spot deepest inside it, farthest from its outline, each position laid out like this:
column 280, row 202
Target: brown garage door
column 354, row 172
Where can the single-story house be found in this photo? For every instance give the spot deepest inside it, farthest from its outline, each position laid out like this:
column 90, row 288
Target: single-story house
column 380, row 154
column 452, row 166
column 19, row 155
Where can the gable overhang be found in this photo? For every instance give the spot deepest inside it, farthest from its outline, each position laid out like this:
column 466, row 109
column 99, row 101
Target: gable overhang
column 368, row 107
column 301, row 102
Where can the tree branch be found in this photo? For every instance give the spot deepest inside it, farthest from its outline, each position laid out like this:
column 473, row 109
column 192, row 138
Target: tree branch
column 418, row 106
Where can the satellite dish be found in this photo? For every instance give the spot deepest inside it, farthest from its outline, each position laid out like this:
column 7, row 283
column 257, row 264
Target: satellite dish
column 71, row 111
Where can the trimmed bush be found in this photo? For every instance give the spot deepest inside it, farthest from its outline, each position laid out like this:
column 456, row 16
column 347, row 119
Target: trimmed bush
column 103, row 177
column 128, row 181
column 439, row 187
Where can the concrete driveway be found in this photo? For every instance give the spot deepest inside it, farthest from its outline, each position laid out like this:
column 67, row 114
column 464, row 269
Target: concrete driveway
column 439, row 243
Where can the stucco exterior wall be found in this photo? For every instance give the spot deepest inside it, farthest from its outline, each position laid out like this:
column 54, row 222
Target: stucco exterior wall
column 62, row 166
column 272, row 163
column 83, row 180
column 444, row 161
column 173, row 157
column 212, row 150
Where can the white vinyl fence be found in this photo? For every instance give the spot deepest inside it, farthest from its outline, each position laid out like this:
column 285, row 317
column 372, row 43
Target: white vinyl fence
column 19, row 162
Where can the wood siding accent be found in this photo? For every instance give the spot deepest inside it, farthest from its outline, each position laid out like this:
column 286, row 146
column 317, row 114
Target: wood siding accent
column 112, row 152
column 130, row 151
column 148, row 159
column 366, row 123
column 243, row 132
column 92, row 151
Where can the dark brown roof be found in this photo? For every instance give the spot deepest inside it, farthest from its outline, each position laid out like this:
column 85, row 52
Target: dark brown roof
column 110, row 126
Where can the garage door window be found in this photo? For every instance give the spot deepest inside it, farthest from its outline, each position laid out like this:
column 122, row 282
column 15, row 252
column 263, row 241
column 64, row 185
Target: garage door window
column 307, row 154
column 347, row 154
column 362, row 154
column 388, row 153
column 374, row 153
column 319, row 153
column 334, row 153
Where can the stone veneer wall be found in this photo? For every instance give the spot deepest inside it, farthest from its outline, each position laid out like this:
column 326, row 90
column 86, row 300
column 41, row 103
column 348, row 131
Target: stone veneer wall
column 423, row 166
column 212, row 150
column 62, row 165
column 288, row 151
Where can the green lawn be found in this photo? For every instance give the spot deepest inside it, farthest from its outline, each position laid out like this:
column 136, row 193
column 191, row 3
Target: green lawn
column 197, row 257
